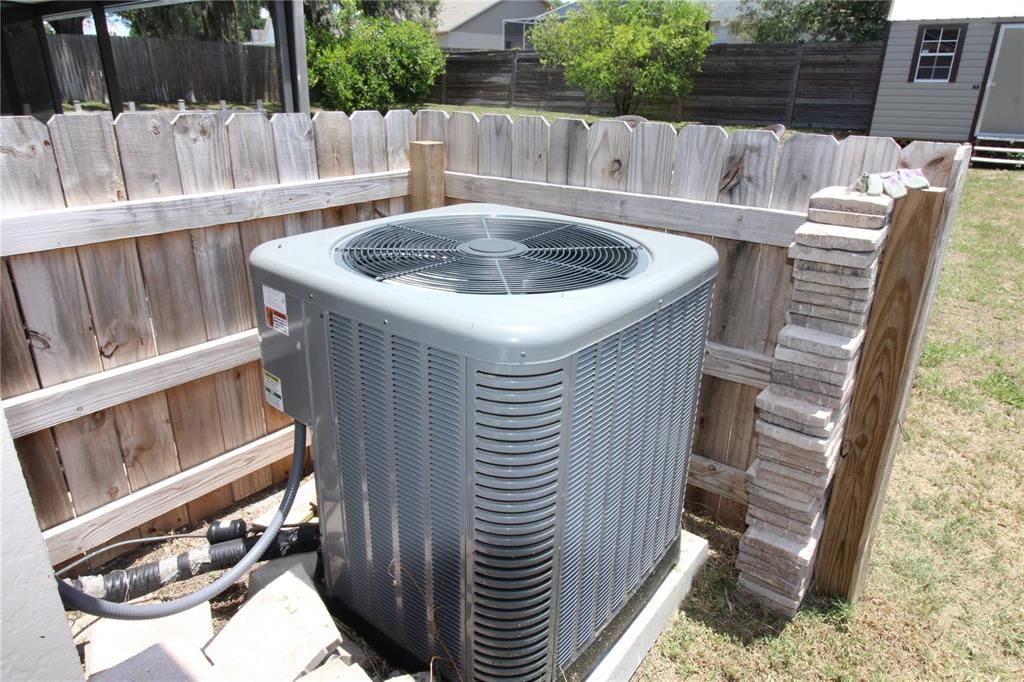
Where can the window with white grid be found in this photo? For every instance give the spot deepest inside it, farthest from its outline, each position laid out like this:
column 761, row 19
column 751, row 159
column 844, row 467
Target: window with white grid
column 938, row 50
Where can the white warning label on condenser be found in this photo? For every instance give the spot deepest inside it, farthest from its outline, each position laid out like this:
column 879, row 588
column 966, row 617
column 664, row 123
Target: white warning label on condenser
column 275, row 308
column 272, row 390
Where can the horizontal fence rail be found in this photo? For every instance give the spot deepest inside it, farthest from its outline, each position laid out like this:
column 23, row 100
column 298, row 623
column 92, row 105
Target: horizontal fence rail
column 812, row 85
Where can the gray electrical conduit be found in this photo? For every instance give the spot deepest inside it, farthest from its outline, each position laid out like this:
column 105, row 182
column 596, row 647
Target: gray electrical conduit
column 80, row 601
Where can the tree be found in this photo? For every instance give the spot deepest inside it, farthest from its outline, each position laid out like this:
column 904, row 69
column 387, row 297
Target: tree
column 380, row 64
column 423, row 12
column 627, row 52
column 788, row 21
column 227, row 21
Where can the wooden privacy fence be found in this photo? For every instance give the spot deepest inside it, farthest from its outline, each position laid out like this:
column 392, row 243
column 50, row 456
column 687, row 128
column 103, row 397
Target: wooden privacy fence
column 130, row 372
column 812, row 85
column 155, row 69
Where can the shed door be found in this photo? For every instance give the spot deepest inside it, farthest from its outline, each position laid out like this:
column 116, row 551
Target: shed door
column 1002, row 110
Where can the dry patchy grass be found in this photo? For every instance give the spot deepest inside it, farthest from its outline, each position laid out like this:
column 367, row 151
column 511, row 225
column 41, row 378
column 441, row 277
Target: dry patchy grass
column 944, row 599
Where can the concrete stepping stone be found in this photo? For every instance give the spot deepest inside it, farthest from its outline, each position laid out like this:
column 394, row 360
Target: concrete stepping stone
column 838, row 198
column 109, row 642
column 849, row 259
column 842, row 237
column 848, row 218
column 169, row 661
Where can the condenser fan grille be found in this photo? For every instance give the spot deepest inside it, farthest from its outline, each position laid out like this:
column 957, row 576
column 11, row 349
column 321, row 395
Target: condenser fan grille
column 492, row 255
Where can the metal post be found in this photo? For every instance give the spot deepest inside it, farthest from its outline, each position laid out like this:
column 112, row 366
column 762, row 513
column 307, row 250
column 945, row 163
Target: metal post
column 99, row 17
column 297, row 46
column 278, row 14
column 51, row 74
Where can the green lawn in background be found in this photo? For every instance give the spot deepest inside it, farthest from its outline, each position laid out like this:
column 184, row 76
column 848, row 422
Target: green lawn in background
column 945, row 598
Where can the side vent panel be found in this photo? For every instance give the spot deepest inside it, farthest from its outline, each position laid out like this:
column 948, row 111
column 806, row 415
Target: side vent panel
column 517, row 445
column 634, row 403
column 398, row 408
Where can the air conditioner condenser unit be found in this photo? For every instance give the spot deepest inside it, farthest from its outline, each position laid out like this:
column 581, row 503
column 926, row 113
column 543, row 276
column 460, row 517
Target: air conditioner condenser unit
column 502, row 403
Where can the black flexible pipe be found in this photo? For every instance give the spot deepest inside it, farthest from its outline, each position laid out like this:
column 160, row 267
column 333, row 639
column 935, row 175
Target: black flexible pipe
column 130, row 583
column 77, row 600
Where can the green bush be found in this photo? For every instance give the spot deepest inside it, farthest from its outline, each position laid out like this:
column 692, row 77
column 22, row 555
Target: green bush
column 378, row 64
column 627, row 52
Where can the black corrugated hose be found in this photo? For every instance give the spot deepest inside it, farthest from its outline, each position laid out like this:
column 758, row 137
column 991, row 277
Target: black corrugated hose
column 75, row 599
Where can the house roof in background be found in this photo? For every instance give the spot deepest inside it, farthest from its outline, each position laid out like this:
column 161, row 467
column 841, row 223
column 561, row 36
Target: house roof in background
column 558, row 11
column 932, row 10
column 454, row 13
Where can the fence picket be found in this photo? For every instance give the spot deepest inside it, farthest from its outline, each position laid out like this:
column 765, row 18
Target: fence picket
column 332, row 140
column 495, row 145
column 204, row 163
column 860, row 154
column 463, row 142
column 296, row 162
column 369, row 155
column 805, row 166
column 431, row 125
column 935, row 159
column 608, row 150
column 400, row 128
column 150, row 163
column 530, row 148
column 700, row 158
column 567, row 152
column 650, row 167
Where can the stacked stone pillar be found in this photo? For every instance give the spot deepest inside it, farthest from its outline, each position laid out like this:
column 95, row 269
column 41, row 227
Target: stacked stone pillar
column 803, row 410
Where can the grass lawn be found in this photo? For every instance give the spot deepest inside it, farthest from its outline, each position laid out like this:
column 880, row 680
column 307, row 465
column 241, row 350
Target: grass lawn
column 945, row 598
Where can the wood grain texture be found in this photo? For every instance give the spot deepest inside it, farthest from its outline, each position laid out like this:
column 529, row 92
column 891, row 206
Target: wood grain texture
column 651, row 158
column 755, row 225
column 912, row 258
column 27, row 166
column 738, row 365
column 91, row 455
column 37, row 454
column 714, row 477
column 296, row 162
column 45, row 230
column 700, row 157
column 608, row 155
column 167, row 265
column 369, row 155
column 530, row 148
column 17, row 373
column 42, row 408
column 749, row 168
column 463, row 145
column 935, row 159
column 859, row 154
column 567, row 152
column 427, row 186
column 805, row 166
column 204, row 162
column 86, row 154
column 400, row 127
column 145, row 143
column 431, row 125
column 495, row 145
column 256, row 146
column 89, row 530
column 294, row 147
column 332, row 139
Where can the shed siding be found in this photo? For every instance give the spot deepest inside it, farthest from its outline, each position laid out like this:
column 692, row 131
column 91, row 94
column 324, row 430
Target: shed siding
column 485, row 31
column 931, row 111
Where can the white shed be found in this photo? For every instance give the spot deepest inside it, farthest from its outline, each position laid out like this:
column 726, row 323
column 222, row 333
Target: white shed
column 953, row 70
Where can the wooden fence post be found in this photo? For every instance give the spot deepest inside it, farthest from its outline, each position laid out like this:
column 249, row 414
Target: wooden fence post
column 426, row 175
column 887, row 366
column 794, row 86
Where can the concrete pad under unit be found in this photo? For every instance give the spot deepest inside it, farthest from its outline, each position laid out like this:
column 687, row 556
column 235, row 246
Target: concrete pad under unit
column 624, row 657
